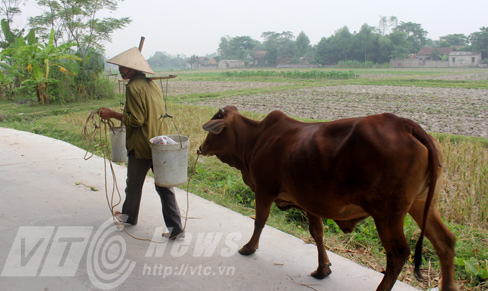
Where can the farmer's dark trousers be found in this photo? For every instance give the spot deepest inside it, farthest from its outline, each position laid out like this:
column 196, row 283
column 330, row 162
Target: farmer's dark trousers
column 136, row 174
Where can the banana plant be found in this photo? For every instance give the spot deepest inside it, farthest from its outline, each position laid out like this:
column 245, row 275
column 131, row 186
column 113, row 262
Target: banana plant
column 33, row 62
column 45, row 57
column 8, row 35
column 7, row 81
column 13, row 66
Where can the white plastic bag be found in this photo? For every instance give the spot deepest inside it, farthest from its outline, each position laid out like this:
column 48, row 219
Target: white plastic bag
column 163, row 139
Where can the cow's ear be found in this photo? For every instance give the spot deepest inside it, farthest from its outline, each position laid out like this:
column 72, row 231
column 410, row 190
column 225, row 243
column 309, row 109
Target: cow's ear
column 214, row 126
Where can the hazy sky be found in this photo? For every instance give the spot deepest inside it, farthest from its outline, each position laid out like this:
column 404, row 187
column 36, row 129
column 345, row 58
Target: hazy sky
column 195, row 27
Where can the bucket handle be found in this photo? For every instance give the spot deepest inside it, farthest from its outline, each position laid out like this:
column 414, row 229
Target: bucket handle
column 166, row 115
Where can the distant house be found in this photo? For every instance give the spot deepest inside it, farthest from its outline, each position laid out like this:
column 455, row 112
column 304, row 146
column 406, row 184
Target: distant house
column 231, row 64
column 450, row 58
column 284, row 61
column 305, row 61
column 202, row 63
column 464, row 59
column 427, row 53
column 260, row 58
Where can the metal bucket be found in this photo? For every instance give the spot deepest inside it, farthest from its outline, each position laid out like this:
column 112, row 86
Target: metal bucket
column 170, row 161
column 119, row 150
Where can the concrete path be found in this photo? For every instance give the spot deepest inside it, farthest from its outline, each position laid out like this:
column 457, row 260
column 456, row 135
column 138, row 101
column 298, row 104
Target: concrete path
column 57, row 234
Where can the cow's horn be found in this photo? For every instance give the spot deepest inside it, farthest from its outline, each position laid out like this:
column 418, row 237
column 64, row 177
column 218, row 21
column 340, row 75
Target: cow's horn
column 221, row 110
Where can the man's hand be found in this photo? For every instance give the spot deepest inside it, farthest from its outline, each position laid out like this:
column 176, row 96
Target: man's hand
column 106, row 113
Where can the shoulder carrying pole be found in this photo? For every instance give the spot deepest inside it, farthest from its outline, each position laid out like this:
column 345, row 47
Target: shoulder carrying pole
column 141, row 43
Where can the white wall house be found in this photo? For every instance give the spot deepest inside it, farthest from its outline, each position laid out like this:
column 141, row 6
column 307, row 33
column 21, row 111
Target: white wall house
column 450, row 59
column 464, row 59
column 231, row 64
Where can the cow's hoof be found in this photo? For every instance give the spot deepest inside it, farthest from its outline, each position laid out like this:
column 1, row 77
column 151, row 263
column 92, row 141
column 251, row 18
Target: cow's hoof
column 246, row 251
column 321, row 273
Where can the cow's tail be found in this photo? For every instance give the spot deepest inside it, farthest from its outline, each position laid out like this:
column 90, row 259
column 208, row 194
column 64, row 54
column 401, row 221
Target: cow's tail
column 434, row 162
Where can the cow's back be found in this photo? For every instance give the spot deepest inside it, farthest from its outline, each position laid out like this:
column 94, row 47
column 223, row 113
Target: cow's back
column 337, row 163
column 378, row 148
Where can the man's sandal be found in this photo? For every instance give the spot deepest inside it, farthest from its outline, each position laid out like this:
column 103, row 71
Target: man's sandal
column 120, row 217
column 172, row 236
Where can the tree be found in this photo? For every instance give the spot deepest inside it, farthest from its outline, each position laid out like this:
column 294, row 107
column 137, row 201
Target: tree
column 224, row 49
column 194, row 59
column 158, row 60
column 479, row 41
column 399, row 45
column 43, row 58
column 343, row 40
column 242, row 47
column 164, row 60
column 415, row 34
column 321, row 51
column 303, row 43
column 238, row 48
column 436, row 55
column 31, row 62
column 9, row 58
column 366, row 43
column 449, row 40
column 384, row 49
column 44, row 23
column 8, row 36
column 8, row 10
column 387, row 24
column 279, row 46
column 76, row 21
column 327, row 52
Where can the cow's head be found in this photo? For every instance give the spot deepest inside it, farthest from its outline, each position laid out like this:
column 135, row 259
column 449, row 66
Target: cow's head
column 220, row 136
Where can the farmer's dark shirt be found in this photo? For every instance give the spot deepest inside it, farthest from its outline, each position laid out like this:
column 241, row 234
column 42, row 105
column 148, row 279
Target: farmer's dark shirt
column 143, row 107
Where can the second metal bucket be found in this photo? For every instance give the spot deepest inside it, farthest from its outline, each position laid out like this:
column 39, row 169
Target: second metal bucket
column 117, row 141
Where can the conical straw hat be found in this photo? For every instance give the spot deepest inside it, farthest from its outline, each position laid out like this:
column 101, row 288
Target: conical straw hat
column 132, row 59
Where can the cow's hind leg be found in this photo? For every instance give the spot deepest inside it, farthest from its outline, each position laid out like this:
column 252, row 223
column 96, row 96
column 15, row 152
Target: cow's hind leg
column 317, row 231
column 441, row 238
column 263, row 205
column 396, row 247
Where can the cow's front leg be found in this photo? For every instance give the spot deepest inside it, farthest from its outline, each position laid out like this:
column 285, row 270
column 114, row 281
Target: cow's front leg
column 317, row 231
column 263, row 205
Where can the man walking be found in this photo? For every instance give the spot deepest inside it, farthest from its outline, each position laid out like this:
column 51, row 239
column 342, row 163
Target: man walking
column 143, row 107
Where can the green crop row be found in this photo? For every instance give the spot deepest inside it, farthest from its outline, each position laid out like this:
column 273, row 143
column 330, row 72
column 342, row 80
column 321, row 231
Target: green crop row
column 315, row 74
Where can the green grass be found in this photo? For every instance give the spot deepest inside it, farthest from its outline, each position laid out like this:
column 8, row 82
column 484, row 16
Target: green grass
column 429, row 83
column 229, row 93
column 296, row 74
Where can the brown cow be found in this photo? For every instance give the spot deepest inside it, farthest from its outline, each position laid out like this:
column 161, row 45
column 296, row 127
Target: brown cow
column 382, row 166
